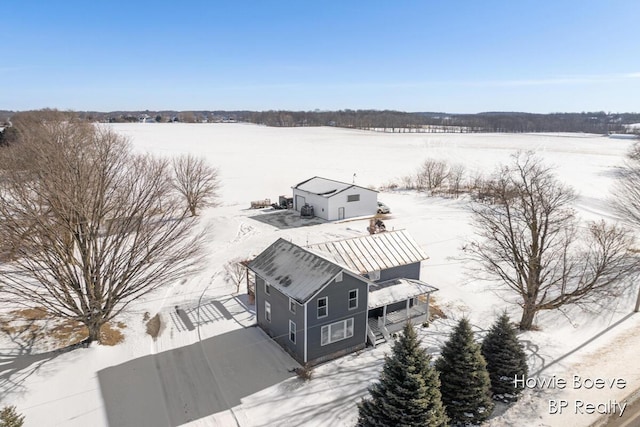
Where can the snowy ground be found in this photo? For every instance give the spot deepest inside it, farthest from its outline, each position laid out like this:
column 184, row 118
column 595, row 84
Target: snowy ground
column 259, row 162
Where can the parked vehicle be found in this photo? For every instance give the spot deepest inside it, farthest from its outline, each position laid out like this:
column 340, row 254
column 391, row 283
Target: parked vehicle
column 383, row 209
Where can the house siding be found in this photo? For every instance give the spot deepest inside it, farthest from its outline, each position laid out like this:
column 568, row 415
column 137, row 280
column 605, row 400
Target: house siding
column 338, row 303
column 278, row 328
column 409, row 271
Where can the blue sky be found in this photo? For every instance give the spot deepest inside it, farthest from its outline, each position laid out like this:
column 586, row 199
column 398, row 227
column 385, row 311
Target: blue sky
column 453, row 56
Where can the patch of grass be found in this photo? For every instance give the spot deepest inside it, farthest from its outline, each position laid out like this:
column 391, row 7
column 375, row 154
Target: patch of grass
column 435, row 312
column 305, row 373
column 153, row 326
column 35, row 313
column 36, row 324
column 68, row 332
column 110, row 335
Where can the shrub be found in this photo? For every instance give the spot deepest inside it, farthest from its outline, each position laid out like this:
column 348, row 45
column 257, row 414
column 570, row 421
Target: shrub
column 9, row 417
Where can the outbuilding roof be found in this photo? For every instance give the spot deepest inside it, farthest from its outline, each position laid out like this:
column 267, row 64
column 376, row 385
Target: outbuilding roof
column 294, row 271
column 384, row 293
column 325, row 187
column 374, row 252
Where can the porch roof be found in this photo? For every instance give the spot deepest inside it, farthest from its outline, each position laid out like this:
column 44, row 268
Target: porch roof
column 384, row 293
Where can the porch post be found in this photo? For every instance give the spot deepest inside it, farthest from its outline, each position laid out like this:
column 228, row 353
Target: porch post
column 384, row 316
column 428, row 300
column 408, row 299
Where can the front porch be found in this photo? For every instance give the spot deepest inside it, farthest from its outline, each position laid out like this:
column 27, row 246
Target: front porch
column 395, row 302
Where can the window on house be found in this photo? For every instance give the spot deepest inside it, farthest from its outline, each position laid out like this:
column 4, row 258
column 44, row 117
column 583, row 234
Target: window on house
column 292, row 331
column 267, row 288
column 292, row 305
column 353, row 198
column 339, row 277
column 267, row 311
column 374, row 275
column 336, row 331
column 353, row 299
column 323, row 307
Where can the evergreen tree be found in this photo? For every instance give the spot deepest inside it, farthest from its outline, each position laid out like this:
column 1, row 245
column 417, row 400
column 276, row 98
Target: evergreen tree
column 8, row 136
column 9, row 417
column 465, row 384
column 505, row 359
column 407, row 393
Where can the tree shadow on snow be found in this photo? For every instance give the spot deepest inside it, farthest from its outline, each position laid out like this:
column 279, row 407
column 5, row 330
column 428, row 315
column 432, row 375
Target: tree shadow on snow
column 17, row 364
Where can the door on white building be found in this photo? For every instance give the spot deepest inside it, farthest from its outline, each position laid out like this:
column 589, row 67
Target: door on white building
column 299, row 202
column 340, row 213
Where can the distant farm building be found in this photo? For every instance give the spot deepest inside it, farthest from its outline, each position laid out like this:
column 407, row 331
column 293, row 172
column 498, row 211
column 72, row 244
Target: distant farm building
column 335, row 200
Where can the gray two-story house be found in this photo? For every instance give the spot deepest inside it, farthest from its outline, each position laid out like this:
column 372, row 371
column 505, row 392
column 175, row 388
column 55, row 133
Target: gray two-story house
column 315, row 309
column 327, row 300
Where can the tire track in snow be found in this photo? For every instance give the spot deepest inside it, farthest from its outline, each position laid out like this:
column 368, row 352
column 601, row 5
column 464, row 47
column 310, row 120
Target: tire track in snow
column 244, row 231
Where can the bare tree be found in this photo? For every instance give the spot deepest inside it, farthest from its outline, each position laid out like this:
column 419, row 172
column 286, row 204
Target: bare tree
column 93, row 227
column 627, row 194
column 196, row 181
column 432, row 174
column 236, row 272
column 628, row 189
column 530, row 245
column 408, row 182
column 456, row 178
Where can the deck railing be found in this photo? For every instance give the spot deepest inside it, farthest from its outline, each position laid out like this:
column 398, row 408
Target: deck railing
column 401, row 316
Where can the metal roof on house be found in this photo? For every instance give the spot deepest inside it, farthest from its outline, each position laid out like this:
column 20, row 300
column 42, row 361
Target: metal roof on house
column 294, row 271
column 374, row 252
column 325, row 187
column 381, row 294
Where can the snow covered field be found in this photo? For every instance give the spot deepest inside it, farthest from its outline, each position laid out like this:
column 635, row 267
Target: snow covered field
column 260, row 162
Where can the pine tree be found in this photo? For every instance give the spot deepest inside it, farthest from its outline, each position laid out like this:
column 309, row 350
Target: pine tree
column 407, row 393
column 9, row 417
column 505, row 359
column 465, row 384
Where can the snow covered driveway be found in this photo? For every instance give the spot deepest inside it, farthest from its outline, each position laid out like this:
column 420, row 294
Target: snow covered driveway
column 188, row 383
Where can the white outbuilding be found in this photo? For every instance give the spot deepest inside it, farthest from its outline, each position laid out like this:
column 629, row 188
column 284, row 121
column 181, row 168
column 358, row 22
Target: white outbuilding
column 335, row 200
